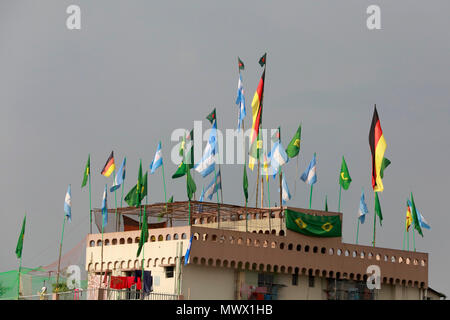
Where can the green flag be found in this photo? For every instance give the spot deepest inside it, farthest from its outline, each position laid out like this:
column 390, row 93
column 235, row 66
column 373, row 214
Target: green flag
column 170, row 200
column 144, row 233
column 240, row 64
column 19, row 246
column 139, row 184
column 344, row 177
column 212, row 116
column 87, row 171
column 143, row 192
column 311, row 225
column 245, row 183
column 293, row 148
column 262, row 60
column 190, row 185
column 182, row 146
column 378, row 208
column 384, row 164
column 134, row 198
column 131, row 197
column 326, row 204
column 415, row 217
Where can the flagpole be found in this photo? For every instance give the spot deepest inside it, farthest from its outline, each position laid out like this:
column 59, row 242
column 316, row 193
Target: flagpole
column 357, row 232
column 217, row 195
column 257, row 178
column 115, row 197
column 408, row 239
column 121, row 202
column 217, row 142
column 339, row 205
column 414, row 238
column 60, row 249
column 310, row 195
column 18, row 280
column 90, row 204
column 374, row 225
column 246, row 217
column 165, row 195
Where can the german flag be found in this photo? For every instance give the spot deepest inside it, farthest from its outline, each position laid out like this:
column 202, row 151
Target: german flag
column 109, row 165
column 377, row 147
column 257, row 106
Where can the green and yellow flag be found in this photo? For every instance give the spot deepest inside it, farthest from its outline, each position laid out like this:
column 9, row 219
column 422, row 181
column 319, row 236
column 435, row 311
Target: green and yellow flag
column 19, row 246
column 344, row 177
column 293, row 148
column 245, row 183
column 314, row 226
column 87, row 172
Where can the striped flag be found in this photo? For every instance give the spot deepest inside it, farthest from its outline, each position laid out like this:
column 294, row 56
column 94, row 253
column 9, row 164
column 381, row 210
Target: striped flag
column 157, row 160
column 378, row 146
column 278, row 157
column 309, row 176
column 409, row 218
column 285, row 191
column 362, row 208
column 214, row 186
column 423, row 223
column 68, row 204
column 240, row 101
column 109, row 166
column 120, row 176
column 257, row 108
column 188, row 251
column 208, row 161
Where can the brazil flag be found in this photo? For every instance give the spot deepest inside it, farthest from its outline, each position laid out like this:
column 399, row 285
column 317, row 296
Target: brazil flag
column 315, row 226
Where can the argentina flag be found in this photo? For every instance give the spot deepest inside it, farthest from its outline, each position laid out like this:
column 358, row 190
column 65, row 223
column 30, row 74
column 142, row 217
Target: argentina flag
column 120, row 176
column 362, row 208
column 277, row 157
column 285, row 191
column 423, row 223
column 214, row 186
column 208, row 161
column 240, row 101
column 309, row 176
column 68, row 204
column 157, row 160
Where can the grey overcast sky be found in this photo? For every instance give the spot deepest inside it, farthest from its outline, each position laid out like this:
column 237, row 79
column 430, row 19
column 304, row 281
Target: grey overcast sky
column 137, row 70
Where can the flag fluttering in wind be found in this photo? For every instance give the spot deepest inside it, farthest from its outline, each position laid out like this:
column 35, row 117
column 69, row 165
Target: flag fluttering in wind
column 109, row 166
column 182, row 146
column 409, row 218
column 240, row 101
column 214, row 186
column 285, row 191
column 87, row 172
column 68, row 204
column 157, row 160
column 120, row 176
column 309, row 176
column 293, row 148
column 384, row 164
column 257, row 106
column 188, row 251
column 240, row 64
column 19, row 246
column 326, row 204
column 278, row 157
column 262, row 60
column 144, row 233
column 362, row 208
column 208, row 161
column 133, row 197
column 212, row 116
column 378, row 208
column 378, row 146
column 105, row 208
column 423, row 223
column 344, row 177
column 415, row 216
column 190, row 184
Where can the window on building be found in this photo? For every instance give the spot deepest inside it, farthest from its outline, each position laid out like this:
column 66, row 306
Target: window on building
column 169, row 272
column 295, row 279
column 311, row 281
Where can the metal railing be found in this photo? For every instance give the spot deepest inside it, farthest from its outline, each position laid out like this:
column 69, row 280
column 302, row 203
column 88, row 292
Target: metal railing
column 102, row 294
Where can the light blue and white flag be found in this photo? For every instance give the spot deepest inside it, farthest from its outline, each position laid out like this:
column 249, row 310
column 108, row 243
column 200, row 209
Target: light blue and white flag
column 362, row 208
column 214, row 186
column 240, row 101
column 157, row 160
column 120, row 176
column 277, row 157
column 104, row 208
column 309, row 176
column 68, row 204
column 208, row 161
column 285, row 191
column 188, row 251
column 423, row 223
column 202, row 197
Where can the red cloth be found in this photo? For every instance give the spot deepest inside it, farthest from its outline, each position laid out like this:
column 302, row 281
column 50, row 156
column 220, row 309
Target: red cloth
column 118, row 283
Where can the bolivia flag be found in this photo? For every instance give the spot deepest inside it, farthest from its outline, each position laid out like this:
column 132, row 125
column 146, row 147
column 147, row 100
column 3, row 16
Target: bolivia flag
column 377, row 147
column 257, row 105
column 109, row 165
